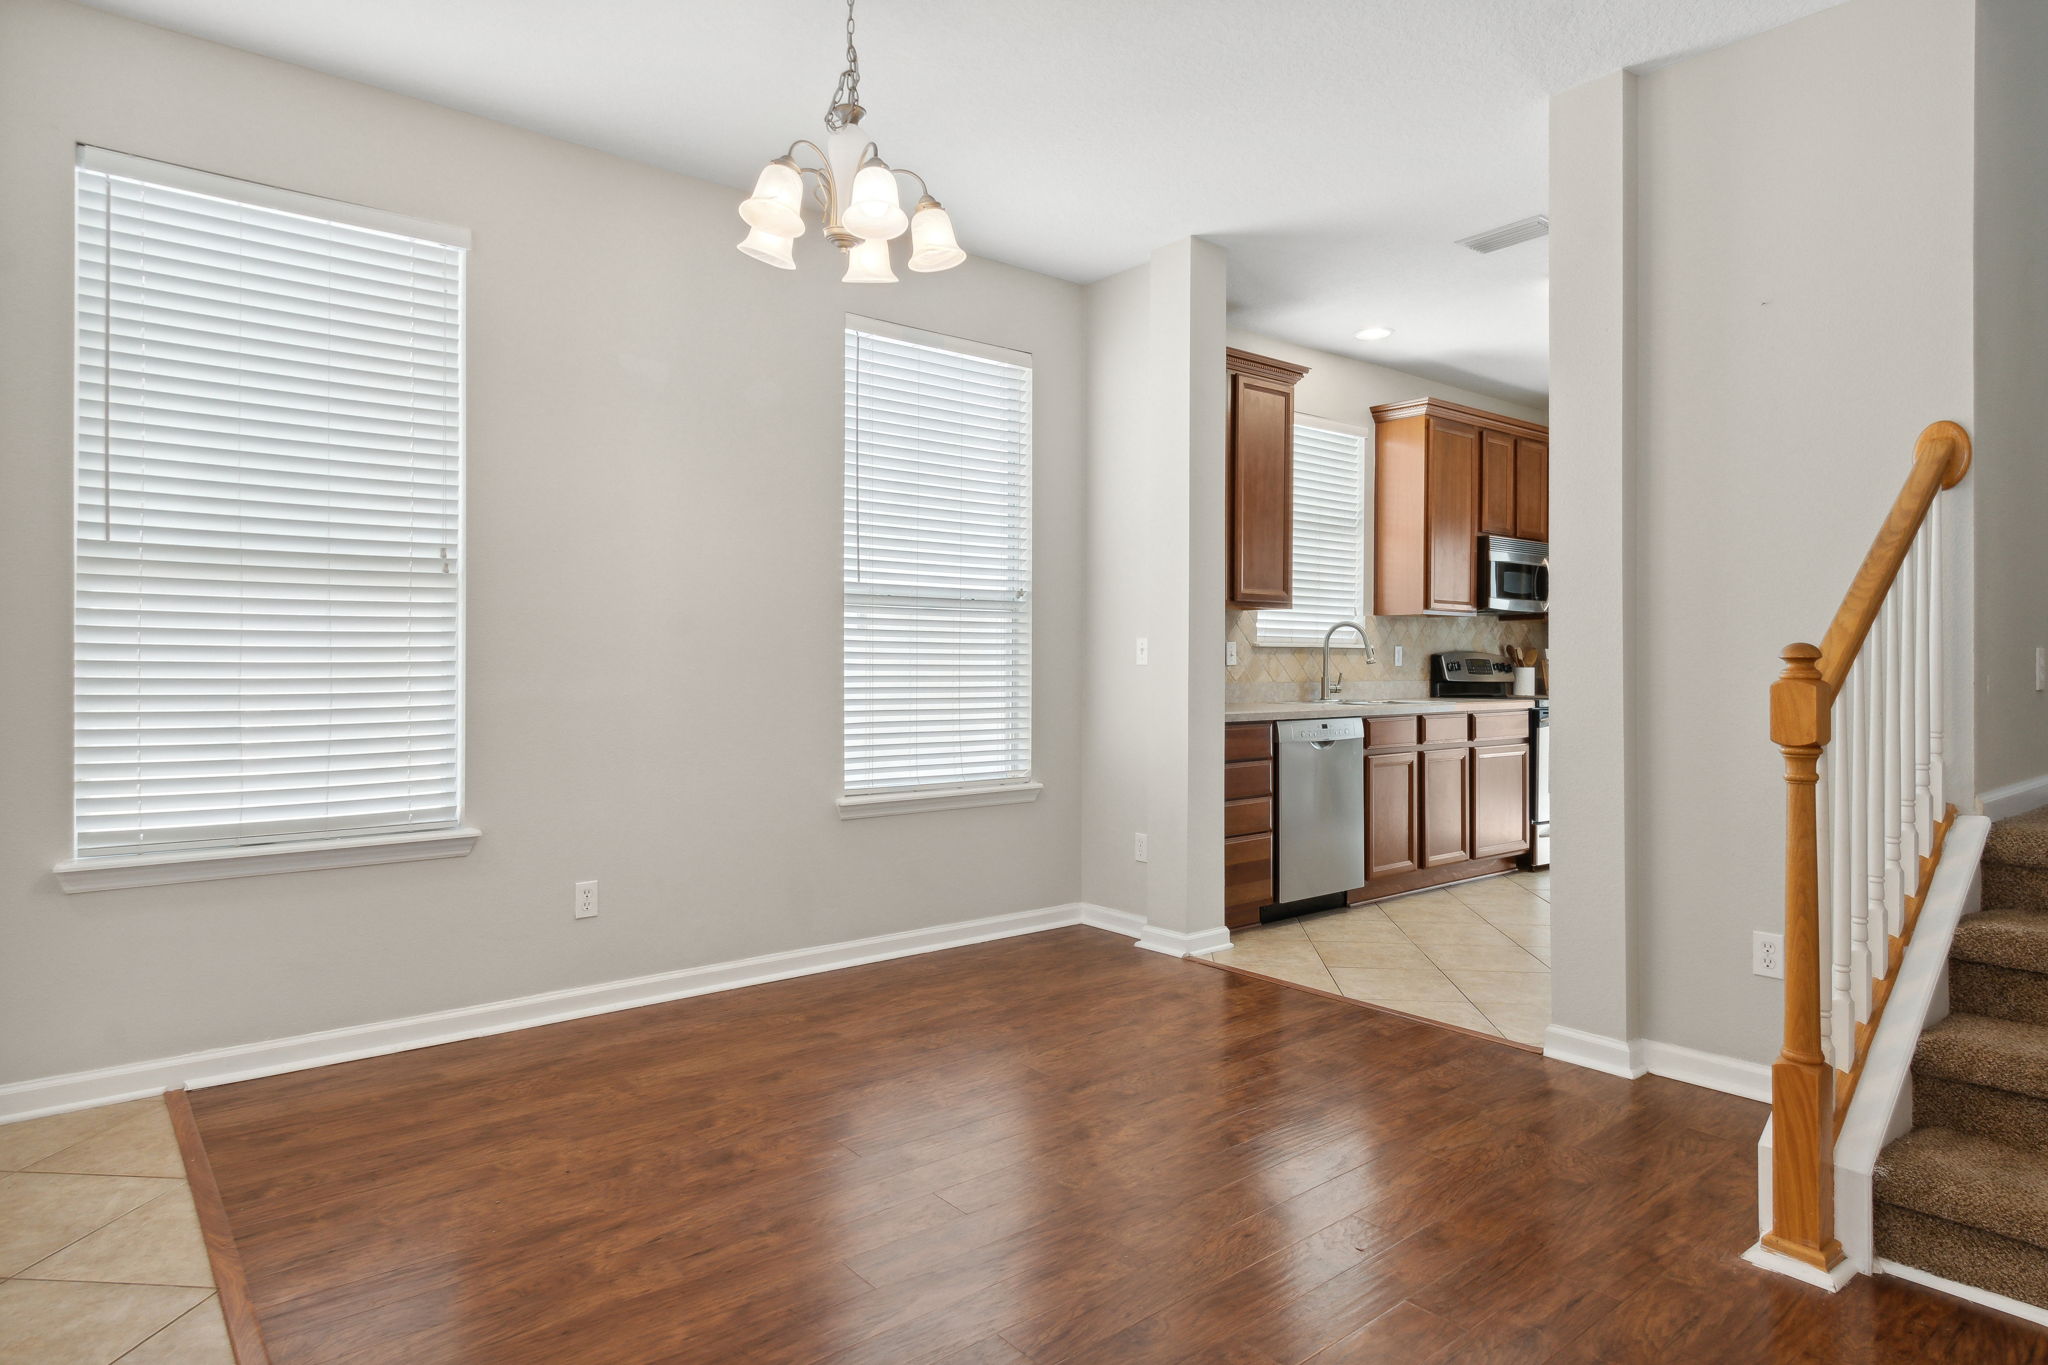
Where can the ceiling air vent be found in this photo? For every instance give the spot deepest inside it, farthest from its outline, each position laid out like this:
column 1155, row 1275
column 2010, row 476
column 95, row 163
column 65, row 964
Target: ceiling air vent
column 1513, row 234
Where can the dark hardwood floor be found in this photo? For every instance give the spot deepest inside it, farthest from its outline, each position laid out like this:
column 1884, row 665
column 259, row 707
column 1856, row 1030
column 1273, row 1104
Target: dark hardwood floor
column 1049, row 1148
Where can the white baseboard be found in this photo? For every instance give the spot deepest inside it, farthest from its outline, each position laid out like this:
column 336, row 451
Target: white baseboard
column 1729, row 1075
column 1830, row 1280
column 1984, row 1298
column 1116, row 921
column 1639, row 1056
column 2017, row 798
column 219, row 1066
column 1176, row 944
column 1594, row 1051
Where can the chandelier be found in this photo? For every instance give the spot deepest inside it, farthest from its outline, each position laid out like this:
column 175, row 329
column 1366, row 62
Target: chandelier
column 855, row 192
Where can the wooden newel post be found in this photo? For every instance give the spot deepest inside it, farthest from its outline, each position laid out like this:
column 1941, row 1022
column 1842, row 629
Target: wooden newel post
column 1802, row 1082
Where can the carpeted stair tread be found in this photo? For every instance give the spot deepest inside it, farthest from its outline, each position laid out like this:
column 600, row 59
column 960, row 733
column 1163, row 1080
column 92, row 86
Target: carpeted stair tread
column 1969, row 1180
column 1966, row 1255
column 2003, row 938
column 2019, row 841
column 2004, row 1054
column 2001, row 992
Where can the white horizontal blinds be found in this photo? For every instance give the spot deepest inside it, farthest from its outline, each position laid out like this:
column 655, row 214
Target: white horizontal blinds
column 1329, row 539
column 269, row 434
column 937, row 566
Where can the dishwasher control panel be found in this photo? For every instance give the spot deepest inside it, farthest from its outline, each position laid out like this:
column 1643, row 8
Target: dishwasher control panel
column 1336, row 727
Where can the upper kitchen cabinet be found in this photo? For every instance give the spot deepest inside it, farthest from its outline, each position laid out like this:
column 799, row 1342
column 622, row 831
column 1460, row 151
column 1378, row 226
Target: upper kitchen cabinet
column 1260, row 489
column 1449, row 474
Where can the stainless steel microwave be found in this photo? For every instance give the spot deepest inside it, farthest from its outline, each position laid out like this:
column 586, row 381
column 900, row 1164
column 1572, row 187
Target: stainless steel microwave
column 1514, row 575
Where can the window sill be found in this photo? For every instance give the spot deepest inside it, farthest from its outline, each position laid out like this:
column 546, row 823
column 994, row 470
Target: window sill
column 958, row 798
column 258, row 860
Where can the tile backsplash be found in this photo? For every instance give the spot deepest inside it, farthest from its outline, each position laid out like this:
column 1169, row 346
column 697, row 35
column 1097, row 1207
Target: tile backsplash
column 1266, row 674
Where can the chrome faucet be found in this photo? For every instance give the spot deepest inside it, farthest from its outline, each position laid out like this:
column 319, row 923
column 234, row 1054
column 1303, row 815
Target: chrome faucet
column 1324, row 693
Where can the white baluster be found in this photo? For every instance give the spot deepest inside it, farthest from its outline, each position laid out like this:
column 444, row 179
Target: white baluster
column 1838, row 1001
column 1909, row 709
column 1937, row 801
column 1923, row 667
column 1865, row 871
column 1893, row 779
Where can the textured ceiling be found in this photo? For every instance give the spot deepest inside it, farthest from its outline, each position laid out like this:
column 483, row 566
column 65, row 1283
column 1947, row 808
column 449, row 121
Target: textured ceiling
column 1337, row 148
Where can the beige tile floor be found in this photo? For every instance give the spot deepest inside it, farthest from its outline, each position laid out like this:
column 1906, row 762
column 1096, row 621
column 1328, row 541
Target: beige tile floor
column 1476, row 955
column 100, row 1254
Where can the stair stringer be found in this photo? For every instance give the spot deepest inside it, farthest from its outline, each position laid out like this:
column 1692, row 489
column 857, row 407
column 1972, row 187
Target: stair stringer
column 1882, row 1108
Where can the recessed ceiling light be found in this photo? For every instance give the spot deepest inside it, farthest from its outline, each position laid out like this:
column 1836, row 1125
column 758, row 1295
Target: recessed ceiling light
column 1375, row 334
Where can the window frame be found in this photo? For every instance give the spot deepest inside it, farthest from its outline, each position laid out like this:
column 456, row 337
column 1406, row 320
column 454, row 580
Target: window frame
column 305, row 851
column 1363, row 602
column 865, row 802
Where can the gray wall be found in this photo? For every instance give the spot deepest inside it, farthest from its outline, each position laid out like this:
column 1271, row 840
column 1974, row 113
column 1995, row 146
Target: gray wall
column 654, row 501
column 1154, row 737
column 2011, row 473
column 1801, row 308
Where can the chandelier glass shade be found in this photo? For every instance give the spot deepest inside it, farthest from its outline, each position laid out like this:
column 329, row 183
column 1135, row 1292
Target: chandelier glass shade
column 856, row 194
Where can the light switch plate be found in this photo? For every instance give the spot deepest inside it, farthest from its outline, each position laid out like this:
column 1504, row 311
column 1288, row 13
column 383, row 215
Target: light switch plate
column 1144, row 650
column 1398, row 652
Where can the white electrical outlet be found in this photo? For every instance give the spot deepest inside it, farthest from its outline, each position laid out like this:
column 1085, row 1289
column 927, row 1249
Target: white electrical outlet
column 585, row 905
column 1767, row 954
column 2041, row 668
column 1138, row 849
column 1398, row 651
column 1230, row 653
column 1144, row 650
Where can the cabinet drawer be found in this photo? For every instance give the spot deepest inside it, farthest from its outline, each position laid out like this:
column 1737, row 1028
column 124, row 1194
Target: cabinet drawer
column 1247, row 779
column 1247, row 878
column 1500, row 725
column 1241, row 742
column 1253, row 815
column 1390, row 732
column 1443, row 729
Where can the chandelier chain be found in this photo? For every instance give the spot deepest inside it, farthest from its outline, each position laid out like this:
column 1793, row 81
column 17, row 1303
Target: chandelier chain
column 845, row 106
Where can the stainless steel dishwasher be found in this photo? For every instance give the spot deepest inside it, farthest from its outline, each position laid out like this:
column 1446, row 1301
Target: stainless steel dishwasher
column 1321, row 823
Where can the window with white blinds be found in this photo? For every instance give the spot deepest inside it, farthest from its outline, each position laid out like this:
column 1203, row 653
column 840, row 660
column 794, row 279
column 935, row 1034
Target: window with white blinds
column 1329, row 538
column 937, row 568
column 269, row 435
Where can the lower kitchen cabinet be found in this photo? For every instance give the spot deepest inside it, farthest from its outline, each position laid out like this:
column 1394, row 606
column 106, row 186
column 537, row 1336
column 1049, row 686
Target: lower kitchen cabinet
column 1391, row 830
column 1446, row 806
column 1500, row 800
column 1247, row 878
column 1247, row 823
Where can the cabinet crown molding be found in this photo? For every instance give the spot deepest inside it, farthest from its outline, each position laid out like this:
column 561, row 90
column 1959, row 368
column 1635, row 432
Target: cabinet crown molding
column 1443, row 407
column 1262, row 367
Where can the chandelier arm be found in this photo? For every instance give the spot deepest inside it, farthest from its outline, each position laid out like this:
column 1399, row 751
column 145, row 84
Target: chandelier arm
column 922, row 188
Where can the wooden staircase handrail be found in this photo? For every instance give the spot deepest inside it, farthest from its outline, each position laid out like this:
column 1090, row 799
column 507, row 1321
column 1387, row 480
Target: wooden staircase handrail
column 1941, row 457
column 1805, row 1088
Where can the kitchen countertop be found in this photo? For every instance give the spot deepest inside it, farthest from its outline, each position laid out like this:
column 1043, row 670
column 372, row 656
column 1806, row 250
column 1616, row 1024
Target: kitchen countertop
column 1248, row 711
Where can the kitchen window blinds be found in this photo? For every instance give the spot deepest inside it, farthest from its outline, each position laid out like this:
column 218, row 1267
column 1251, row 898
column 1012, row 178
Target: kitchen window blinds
column 1329, row 540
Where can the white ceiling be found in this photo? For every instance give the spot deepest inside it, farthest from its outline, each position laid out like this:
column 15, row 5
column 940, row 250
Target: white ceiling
column 1337, row 148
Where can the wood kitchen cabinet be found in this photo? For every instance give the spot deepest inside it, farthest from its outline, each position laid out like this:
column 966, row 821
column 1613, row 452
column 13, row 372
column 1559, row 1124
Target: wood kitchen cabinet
column 1393, row 832
column 1448, row 474
column 1446, row 806
column 1500, row 800
column 1259, row 474
column 1247, row 822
